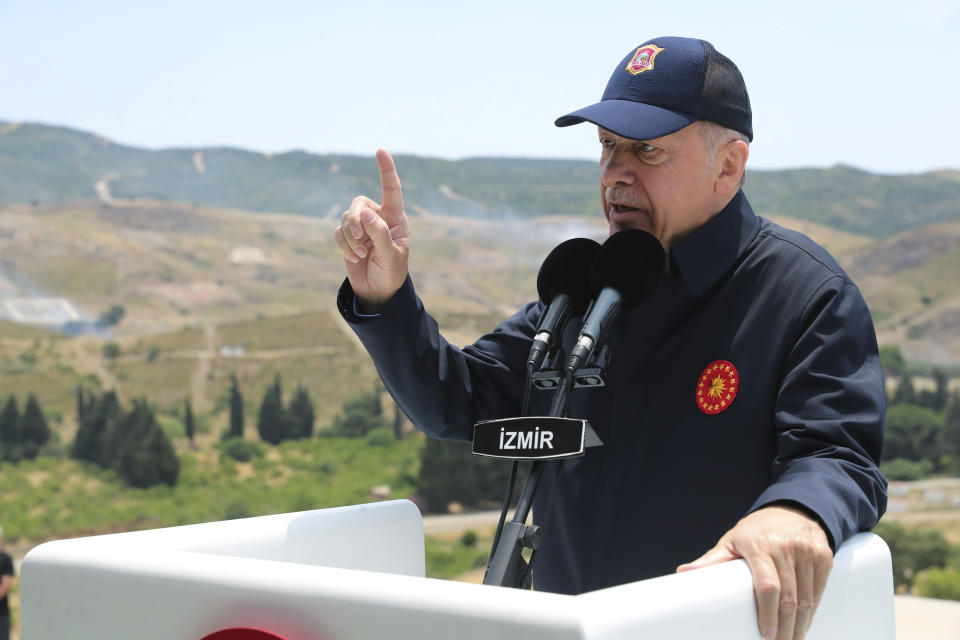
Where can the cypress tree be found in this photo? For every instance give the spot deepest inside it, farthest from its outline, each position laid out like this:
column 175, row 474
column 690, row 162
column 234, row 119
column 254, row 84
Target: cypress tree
column 10, row 431
column 146, row 457
column 951, row 429
column 905, row 392
column 34, row 431
column 941, row 395
column 398, row 421
column 270, row 421
column 188, row 422
column 81, row 404
column 236, row 409
column 81, row 443
column 109, row 430
column 301, row 408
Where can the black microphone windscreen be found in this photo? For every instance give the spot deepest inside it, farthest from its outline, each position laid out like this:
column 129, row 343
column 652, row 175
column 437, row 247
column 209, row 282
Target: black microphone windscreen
column 631, row 261
column 567, row 270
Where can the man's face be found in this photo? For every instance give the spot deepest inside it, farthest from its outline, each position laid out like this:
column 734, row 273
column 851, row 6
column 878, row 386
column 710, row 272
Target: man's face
column 664, row 186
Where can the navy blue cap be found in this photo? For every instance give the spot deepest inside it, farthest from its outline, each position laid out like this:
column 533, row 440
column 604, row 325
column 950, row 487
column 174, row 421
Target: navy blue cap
column 665, row 85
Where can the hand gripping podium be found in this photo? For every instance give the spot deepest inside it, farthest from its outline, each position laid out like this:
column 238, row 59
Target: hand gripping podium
column 358, row 572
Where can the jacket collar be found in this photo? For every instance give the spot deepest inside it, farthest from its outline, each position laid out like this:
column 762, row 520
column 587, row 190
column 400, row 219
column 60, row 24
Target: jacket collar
column 706, row 254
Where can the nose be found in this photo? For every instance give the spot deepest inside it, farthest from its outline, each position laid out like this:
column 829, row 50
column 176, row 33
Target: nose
column 616, row 169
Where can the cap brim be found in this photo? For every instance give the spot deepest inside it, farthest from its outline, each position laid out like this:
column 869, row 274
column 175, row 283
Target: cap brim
column 629, row 119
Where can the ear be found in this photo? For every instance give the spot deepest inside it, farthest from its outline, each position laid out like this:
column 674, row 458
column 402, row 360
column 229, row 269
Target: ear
column 732, row 162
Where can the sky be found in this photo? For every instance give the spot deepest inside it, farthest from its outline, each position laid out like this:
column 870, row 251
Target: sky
column 872, row 84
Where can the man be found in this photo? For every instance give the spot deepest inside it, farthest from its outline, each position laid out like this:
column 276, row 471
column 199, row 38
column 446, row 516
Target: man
column 744, row 399
column 6, row 583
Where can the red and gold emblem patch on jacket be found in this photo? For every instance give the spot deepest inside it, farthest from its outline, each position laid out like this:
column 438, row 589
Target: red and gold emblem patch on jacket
column 717, row 387
column 642, row 60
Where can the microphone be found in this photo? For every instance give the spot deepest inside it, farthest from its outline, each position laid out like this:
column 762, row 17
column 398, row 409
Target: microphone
column 625, row 271
column 564, row 286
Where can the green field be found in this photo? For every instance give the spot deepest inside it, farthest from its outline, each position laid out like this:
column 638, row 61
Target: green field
column 51, row 498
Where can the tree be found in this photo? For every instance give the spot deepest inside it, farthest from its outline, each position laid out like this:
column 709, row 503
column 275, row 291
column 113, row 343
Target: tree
column 399, row 419
column 449, row 472
column 269, row 422
column 446, row 474
column 938, row 583
column 892, row 359
column 951, row 427
column 146, row 457
column 111, row 350
column 111, row 316
column 83, row 444
column 912, row 432
column 109, row 432
column 10, row 431
column 937, row 398
column 34, row 431
column 361, row 414
column 131, row 443
column 905, row 392
column 913, row 551
column 236, row 409
column 188, row 424
column 301, row 408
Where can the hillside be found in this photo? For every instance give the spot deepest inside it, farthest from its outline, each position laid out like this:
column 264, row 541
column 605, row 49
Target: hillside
column 210, row 293
column 46, row 165
column 912, row 283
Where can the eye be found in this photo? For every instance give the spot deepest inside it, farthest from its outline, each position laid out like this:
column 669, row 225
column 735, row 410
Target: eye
column 607, row 142
column 644, row 147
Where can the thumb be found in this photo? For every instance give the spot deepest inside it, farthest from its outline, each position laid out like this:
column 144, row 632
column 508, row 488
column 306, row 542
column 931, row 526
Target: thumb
column 376, row 227
column 720, row 553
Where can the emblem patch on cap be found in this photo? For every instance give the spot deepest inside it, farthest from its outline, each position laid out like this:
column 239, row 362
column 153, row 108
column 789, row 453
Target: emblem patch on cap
column 717, row 387
column 642, row 60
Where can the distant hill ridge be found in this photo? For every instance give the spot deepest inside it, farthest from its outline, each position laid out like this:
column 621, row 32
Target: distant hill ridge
column 44, row 164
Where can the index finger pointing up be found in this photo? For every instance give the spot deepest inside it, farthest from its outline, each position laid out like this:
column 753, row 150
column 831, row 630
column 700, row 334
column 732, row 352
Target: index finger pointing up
column 392, row 202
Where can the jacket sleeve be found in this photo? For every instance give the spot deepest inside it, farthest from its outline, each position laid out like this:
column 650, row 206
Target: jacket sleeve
column 829, row 416
column 444, row 390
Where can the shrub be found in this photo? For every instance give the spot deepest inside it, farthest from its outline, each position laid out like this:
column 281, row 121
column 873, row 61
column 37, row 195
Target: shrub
column 912, row 432
column 913, row 551
column 241, row 450
column 903, row 469
column 235, row 509
column 938, row 583
column 380, row 437
column 362, row 414
column 449, row 472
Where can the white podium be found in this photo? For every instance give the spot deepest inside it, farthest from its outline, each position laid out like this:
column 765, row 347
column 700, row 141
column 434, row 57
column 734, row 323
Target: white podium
column 358, row 572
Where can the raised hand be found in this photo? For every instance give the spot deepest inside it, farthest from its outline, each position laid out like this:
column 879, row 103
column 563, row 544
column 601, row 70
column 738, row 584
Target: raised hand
column 375, row 240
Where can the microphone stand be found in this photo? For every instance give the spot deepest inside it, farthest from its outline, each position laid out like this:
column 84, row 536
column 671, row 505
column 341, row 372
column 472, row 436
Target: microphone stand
column 507, row 565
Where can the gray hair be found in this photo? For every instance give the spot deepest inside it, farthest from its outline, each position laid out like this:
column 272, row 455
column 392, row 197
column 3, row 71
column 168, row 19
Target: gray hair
column 716, row 135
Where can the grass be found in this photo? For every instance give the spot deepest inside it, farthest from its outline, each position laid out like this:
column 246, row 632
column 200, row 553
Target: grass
column 185, row 339
column 329, row 377
column 164, row 382
column 286, row 332
column 70, row 275
column 13, row 330
column 449, row 557
column 55, row 498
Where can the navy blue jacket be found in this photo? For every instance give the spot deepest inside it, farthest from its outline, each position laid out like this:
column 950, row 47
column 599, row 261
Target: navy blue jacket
column 805, row 425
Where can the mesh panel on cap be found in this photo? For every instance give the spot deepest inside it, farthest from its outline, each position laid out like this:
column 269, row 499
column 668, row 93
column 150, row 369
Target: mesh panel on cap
column 723, row 86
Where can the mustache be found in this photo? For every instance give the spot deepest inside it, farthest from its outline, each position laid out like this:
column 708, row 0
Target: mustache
column 622, row 196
